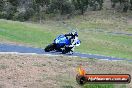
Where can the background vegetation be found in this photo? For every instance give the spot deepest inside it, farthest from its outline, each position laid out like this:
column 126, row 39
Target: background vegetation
column 23, row 10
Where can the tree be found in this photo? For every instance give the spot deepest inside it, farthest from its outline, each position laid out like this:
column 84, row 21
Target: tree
column 130, row 4
column 96, row 4
column 124, row 3
column 61, row 6
column 1, row 4
column 8, row 8
column 100, row 2
column 81, row 5
column 113, row 3
column 13, row 2
column 1, row 8
column 40, row 3
column 8, row 11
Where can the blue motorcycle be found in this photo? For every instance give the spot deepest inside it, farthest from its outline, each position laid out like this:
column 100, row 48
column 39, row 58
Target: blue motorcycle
column 61, row 44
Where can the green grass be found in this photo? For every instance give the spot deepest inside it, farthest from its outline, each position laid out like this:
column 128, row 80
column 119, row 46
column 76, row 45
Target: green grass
column 99, row 86
column 40, row 35
column 103, row 86
column 34, row 34
column 107, row 44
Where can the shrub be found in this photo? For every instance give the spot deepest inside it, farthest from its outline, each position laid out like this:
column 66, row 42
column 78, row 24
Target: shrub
column 24, row 14
column 60, row 6
column 8, row 11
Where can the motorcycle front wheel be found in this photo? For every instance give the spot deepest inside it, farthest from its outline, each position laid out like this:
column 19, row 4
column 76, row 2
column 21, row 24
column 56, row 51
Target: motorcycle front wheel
column 66, row 50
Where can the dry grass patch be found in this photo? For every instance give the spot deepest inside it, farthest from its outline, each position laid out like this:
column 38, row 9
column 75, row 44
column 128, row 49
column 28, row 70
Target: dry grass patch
column 38, row 71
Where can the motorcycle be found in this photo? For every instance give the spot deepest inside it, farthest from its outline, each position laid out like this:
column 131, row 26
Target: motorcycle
column 62, row 44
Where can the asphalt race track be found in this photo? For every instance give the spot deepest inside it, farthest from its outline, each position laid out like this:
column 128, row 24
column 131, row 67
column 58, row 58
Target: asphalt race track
column 23, row 49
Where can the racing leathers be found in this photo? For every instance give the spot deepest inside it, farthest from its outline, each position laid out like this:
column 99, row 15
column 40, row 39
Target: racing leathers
column 73, row 39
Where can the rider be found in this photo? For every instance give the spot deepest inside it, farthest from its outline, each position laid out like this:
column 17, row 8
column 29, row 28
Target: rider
column 73, row 38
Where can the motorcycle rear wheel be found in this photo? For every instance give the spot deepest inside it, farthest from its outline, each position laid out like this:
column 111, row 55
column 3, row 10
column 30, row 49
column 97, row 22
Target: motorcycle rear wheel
column 49, row 48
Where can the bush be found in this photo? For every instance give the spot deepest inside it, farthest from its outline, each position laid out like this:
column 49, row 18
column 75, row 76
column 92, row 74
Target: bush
column 60, row 6
column 8, row 11
column 130, row 4
column 24, row 15
column 125, row 6
column 1, row 5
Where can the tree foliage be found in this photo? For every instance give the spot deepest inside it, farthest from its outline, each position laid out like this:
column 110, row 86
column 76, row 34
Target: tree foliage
column 81, row 5
column 60, row 6
column 124, row 3
column 13, row 2
column 1, row 4
column 25, row 9
column 130, row 4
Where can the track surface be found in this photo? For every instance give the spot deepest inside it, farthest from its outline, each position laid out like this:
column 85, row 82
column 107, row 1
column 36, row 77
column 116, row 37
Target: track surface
column 24, row 49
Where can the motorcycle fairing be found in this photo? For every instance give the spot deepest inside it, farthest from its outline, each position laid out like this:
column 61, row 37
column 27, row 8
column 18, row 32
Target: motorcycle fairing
column 61, row 40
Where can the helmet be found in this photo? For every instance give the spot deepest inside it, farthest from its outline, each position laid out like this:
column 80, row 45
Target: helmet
column 74, row 33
